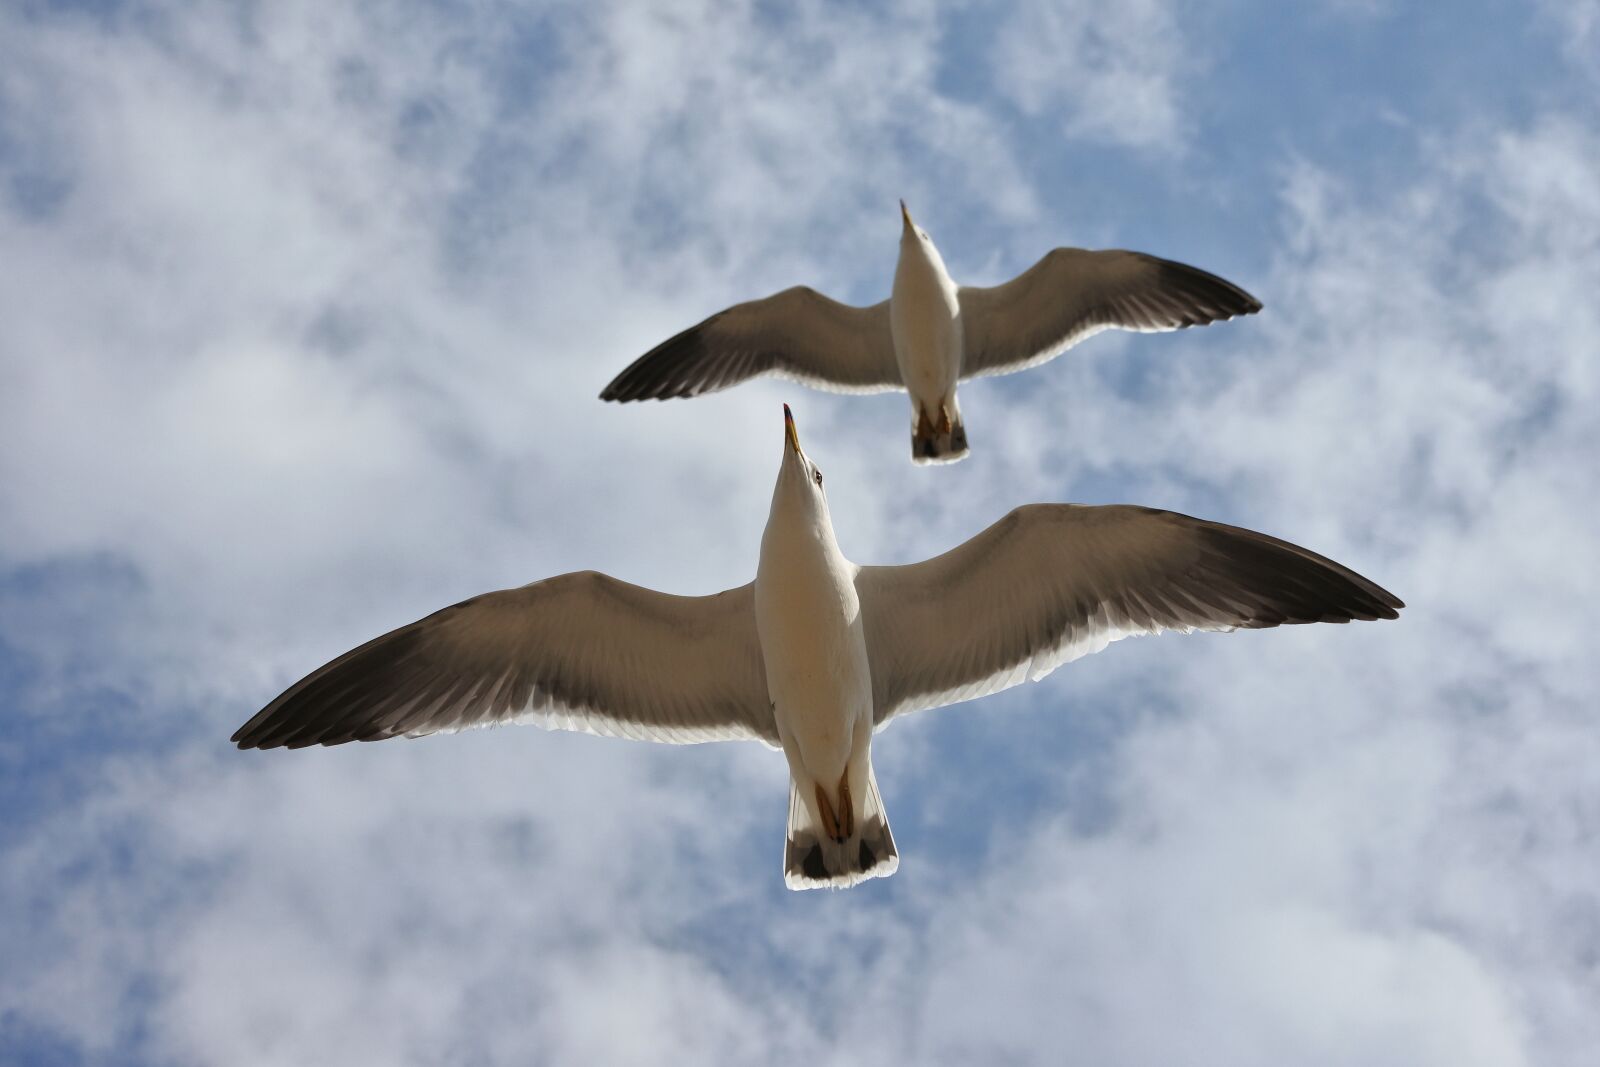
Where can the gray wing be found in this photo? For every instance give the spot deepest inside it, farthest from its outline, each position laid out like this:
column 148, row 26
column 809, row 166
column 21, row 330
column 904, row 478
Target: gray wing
column 1073, row 293
column 1052, row 582
column 798, row 334
column 581, row 651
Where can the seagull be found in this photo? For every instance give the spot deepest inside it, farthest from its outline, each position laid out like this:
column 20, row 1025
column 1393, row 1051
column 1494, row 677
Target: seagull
column 817, row 653
column 931, row 332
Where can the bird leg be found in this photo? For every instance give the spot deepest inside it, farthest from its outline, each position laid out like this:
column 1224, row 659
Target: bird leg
column 922, row 438
column 944, row 419
column 830, row 821
column 848, row 809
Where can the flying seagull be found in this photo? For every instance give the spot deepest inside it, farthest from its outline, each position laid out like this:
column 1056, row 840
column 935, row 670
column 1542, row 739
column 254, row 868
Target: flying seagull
column 817, row 653
column 931, row 332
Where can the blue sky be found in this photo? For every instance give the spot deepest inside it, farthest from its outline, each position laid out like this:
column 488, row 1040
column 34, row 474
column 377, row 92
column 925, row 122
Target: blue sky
column 303, row 309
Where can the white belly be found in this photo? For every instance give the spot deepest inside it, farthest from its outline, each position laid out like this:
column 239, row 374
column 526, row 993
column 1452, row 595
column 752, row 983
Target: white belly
column 925, row 323
column 809, row 623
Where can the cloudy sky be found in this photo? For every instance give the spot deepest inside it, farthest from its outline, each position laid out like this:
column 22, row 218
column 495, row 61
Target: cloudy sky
column 303, row 310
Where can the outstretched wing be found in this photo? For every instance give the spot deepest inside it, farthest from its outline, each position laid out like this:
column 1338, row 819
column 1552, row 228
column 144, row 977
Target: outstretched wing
column 798, row 333
column 1073, row 293
column 1052, row 582
column 581, row 651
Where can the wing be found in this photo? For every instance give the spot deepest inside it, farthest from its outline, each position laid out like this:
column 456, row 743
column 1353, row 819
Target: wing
column 1073, row 293
column 581, row 651
column 1052, row 582
column 798, row 333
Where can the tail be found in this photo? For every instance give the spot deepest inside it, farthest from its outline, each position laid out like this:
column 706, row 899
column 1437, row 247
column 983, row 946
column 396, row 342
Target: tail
column 939, row 441
column 812, row 859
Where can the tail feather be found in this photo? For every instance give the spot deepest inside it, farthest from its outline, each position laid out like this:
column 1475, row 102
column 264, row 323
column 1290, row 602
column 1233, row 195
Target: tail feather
column 813, row 860
column 938, row 447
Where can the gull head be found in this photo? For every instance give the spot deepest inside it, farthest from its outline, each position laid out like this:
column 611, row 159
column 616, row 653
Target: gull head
column 798, row 502
column 915, row 244
column 910, row 232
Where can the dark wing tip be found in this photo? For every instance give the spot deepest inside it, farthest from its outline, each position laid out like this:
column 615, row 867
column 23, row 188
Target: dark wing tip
column 286, row 731
column 1208, row 297
column 243, row 742
column 345, row 699
column 257, row 731
column 1292, row 585
column 684, row 365
column 273, row 727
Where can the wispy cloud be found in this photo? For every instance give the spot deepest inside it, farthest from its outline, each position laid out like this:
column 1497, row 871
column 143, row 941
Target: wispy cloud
column 1114, row 74
column 300, row 318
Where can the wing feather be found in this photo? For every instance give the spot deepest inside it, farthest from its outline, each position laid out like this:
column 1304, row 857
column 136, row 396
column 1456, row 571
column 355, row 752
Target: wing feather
column 581, row 651
column 1074, row 293
column 1050, row 583
column 798, row 334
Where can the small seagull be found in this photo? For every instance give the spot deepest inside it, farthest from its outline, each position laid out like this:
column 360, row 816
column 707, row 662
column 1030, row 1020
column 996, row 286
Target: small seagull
column 817, row 653
column 931, row 332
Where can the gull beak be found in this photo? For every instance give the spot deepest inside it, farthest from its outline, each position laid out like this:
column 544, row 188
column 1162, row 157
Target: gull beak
column 905, row 216
column 788, row 428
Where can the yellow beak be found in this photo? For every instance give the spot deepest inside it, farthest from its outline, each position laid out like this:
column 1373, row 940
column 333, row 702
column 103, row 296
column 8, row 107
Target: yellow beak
column 906, row 215
column 788, row 426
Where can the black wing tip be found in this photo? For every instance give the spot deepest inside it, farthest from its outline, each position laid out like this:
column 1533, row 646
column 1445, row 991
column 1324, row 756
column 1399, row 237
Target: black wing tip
column 250, row 735
column 296, row 724
column 1344, row 613
column 1376, row 602
column 668, row 371
column 1324, row 611
column 267, row 735
column 618, row 396
column 1389, row 605
column 1217, row 299
column 625, row 388
column 1300, row 586
column 631, row 386
column 1367, row 602
column 291, row 738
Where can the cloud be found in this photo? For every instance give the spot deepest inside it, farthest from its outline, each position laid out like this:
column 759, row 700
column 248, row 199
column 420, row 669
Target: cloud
column 303, row 316
column 1578, row 21
column 1107, row 74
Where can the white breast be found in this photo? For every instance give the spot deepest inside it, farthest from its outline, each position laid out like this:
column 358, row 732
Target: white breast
column 925, row 323
column 809, row 621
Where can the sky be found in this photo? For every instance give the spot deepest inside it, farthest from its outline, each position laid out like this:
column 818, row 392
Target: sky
column 303, row 313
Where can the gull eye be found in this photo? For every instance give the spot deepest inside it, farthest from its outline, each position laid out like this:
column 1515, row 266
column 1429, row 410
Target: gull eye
column 816, row 474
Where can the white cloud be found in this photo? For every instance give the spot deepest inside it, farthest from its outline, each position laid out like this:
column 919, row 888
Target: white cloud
column 1110, row 73
column 1579, row 23
column 309, row 342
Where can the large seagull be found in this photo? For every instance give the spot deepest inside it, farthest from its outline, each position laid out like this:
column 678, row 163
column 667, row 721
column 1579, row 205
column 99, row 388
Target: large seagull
column 931, row 333
column 817, row 653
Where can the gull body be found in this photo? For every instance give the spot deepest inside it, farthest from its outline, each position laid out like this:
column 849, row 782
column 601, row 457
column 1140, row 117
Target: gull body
column 814, row 650
column 817, row 653
column 925, row 324
column 931, row 334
